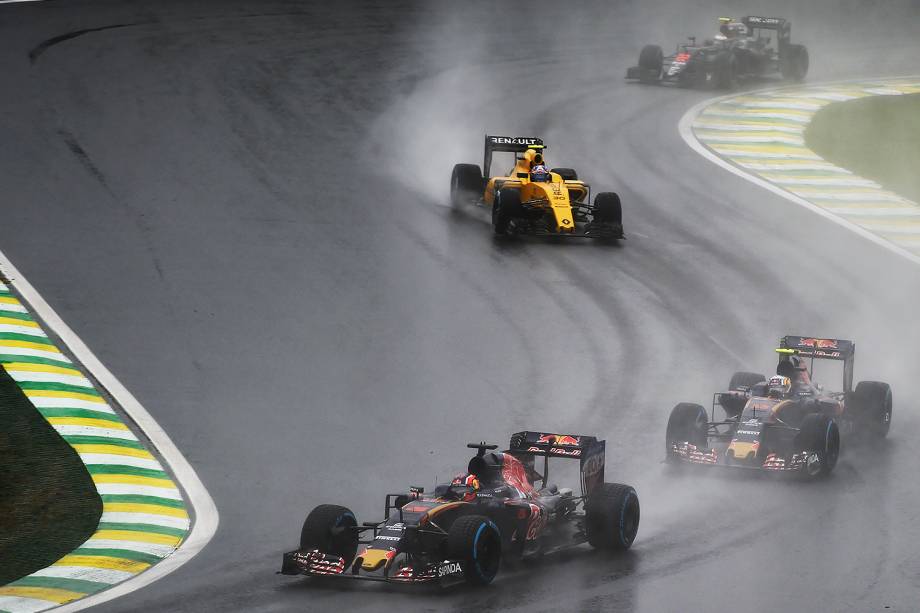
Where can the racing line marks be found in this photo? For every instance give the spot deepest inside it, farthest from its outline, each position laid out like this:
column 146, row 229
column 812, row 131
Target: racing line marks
column 760, row 136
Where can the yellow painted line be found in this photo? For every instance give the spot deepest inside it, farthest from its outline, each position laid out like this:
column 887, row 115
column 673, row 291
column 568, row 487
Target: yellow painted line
column 29, row 345
column 760, row 148
column 152, row 509
column 60, row 394
column 86, row 421
column 9, row 300
column 41, row 593
column 24, row 367
column 143, row 537
column 114, row 450
column 134, row 479
column 753, row 134
column 109, row 562
column 19, row 322
column 757, row 112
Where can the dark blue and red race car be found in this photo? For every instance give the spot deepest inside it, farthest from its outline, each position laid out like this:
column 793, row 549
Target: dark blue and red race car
column 502, row 507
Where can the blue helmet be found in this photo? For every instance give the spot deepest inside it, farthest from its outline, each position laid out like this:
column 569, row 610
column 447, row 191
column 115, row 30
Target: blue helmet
column 540, row 174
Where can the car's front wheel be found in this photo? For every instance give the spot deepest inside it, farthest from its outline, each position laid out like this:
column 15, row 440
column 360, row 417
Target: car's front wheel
column 466, row 184
column 505, row 207
column 330, row 529
column 819, row 438
column 475, row 542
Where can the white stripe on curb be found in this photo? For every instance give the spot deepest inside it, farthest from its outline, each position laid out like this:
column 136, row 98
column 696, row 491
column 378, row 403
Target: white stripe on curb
column 685, row 127
column 201, row 504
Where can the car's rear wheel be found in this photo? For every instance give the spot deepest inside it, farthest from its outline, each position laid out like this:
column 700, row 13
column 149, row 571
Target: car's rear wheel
column 475, row 542
column 651, row 60
column 819, row 437
column 507, row 206
column 688, row 423
column 466, row 184
column 742, row 380
column 612, row 517
column 567, row 174
column 794, row 64
column 870, row 406
column 330, row 529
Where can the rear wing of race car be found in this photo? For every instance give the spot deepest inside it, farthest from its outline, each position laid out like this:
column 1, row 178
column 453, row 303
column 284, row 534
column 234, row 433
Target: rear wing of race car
column 821, row 349
column 512, row 144
column 589, row 451
column 783, row 28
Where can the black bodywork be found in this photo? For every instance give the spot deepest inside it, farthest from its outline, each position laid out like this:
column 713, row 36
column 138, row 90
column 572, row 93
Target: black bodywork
column 722, row 63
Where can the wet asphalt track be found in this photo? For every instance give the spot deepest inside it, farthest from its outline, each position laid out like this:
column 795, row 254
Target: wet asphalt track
column 241, row 207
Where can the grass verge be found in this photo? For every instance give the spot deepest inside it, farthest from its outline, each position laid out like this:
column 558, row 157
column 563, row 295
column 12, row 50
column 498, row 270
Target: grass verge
column 877, row 138
column 49, row 504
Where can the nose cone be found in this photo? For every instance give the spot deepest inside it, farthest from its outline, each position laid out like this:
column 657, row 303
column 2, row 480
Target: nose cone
column 374, row 559
column 744, row 451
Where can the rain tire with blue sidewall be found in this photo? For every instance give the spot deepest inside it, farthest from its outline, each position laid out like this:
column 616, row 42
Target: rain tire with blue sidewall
column 819, row 435
column 870, row 406
column 612, row 517
column 475, row 541
column 688, row 423
column 329, row 528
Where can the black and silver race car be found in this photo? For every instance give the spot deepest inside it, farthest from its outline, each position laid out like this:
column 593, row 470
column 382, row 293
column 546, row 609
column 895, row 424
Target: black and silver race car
column 742, row 50
column 787, row 424
column 501, row 508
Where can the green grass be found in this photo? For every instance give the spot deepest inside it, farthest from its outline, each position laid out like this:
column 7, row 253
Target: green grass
column 876, row 137
column 48, row 503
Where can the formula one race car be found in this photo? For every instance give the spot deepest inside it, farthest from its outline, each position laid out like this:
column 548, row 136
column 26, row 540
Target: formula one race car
column 786, row 424
column 465, row 528
column 535, row 200
column 741, row 50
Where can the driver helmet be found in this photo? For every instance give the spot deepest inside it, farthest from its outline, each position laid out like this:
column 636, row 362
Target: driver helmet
column 779, row 386
column 470, row 481
column 539, row 173
column 730, row 28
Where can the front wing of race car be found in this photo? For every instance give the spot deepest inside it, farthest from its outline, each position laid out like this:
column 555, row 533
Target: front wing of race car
column 674, row 69
column 314, row 563
column 688, row 453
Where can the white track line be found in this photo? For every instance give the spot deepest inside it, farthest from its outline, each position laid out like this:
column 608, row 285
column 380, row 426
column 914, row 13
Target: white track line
column 686, row 132
column 202, row 505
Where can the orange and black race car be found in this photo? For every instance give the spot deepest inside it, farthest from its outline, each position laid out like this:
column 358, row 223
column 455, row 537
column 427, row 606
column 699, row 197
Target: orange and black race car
column 787, row 424
column 534, row 199
column 501, row 507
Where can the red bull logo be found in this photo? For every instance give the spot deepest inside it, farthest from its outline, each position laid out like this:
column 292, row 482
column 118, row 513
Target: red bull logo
column 818, row 343
column 558, row 439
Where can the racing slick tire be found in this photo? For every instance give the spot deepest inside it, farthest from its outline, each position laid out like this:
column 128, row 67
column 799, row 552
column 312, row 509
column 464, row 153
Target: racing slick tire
column 507, row 205
column 794, row 64
column 607, row 208
column 742, row 380
column 465, row 184
column 329, row 528
column 688, row 422
column 612, row 517
column 475, row 542
column 567, row 174
column 870, row 407
column 651, row 60
column 820, row 437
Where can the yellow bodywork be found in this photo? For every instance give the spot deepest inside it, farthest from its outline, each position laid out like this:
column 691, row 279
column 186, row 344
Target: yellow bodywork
column 556, row 195
column 741, row 450
column 373, row 559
